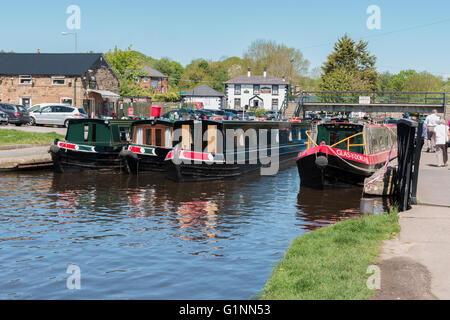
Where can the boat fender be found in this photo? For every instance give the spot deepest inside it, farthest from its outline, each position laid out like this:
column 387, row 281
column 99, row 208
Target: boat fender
column 321, row 162
column 53, row 149
column 127, row 153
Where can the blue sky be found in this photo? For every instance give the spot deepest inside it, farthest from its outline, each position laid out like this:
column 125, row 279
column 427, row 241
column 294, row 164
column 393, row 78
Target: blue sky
column 413, row 34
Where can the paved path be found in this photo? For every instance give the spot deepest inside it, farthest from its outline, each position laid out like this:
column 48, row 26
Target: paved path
column 416, row 264
column 12, row 159
column 43, row 129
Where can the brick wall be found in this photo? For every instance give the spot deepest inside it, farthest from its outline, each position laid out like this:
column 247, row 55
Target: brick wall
column 44, row 91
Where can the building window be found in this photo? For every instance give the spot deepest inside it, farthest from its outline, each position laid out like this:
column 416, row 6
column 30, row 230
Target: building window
column 58, row 81
column 237, row 102
column 25, row 79
column 274, row 103
column 237, row 89
column 256, row 89
column 275, row 90
column 145, row 79
column 26, row 102
column 67, row 101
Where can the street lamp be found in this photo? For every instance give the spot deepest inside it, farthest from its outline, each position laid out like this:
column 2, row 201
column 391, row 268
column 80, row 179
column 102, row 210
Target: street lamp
column 72, row 33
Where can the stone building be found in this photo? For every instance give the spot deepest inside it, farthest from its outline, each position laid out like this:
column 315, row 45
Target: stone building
column 154, row 80
column 78, row 79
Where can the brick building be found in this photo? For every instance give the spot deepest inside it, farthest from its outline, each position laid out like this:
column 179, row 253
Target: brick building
column 79, row 79
column 154, row 80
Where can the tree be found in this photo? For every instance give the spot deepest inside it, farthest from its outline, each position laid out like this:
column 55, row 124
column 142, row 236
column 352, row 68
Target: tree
column 384, row 82
column 280, row 60
column 350, row 67
column 127, row 65
column 423, row 82
column 398, row 81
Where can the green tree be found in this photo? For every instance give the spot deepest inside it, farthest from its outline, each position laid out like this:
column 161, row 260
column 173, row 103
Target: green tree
column 423, row 82
column 398, row 81
column 384, row 82
column 350, row 67
column 172, row 69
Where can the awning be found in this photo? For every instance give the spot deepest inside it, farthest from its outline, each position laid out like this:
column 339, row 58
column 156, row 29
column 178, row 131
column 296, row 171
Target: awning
column 105, row 94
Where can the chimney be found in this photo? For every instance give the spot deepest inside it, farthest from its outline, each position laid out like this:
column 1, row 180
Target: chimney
column 284, row 78
column 38, row 51
column 249, row 73
column 265, row 72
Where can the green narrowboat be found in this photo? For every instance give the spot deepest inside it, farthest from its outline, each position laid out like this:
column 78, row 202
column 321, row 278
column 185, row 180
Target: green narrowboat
column 91, row 144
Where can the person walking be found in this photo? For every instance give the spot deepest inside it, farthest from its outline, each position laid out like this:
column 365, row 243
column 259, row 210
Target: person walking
column 442, row 137
column 431, row 121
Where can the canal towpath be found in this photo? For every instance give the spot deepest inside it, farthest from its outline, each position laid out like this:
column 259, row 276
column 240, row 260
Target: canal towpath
column 23, row 156
column 415, row 264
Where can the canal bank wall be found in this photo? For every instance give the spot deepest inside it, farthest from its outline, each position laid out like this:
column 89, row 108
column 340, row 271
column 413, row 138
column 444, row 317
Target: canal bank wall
column 21, row 157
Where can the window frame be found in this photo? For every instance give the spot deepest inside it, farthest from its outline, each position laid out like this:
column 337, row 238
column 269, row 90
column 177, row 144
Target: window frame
column 25, row 77
column 236, row 91
column 56, row 78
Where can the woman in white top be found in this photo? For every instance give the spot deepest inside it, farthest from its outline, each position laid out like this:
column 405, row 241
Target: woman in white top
column 442, row 137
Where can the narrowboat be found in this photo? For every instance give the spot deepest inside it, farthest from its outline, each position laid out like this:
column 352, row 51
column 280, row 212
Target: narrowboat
column 151, row 141
column 345, row 153
column 218, row 149
column 91, row 144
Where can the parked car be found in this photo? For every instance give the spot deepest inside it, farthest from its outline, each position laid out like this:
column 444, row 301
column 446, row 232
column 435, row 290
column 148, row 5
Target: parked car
column 3, row 118
column 271, row 115
column 250, row 115
column 203, row 114
column 220, row 114
column 180, row 114
column 56, row 114
column 238, row 114
column 17, row 114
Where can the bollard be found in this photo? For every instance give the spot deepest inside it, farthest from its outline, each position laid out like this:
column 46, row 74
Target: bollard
column 367, row 206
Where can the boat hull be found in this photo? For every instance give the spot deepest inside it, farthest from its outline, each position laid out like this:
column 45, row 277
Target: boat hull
column 65, row 160
column 323, row 166
column 204, row 170
column 145, row 162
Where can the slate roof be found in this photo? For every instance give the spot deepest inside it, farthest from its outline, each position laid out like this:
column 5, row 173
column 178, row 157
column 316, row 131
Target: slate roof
column 256, row 80
column 61, row 64
column 153, row 72
column 202, row 91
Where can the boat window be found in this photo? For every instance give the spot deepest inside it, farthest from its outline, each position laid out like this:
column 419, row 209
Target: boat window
column 168, row 138
column 212, row 139
column 186, row 138
column 334, row 137
column 158, row 139
column 124, row 133
column 86, row 131
column 139, row 136
column 148, row 137
column 94, row 132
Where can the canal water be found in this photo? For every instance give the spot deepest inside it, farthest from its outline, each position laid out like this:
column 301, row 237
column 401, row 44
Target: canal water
column 148, row 238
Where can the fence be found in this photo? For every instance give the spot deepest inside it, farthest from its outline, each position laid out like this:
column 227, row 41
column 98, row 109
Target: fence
column 142, row 109
column 410, row 143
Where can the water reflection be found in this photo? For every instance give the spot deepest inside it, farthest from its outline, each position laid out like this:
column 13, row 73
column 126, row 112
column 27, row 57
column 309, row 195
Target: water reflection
column 318, row 208
column 139, row 236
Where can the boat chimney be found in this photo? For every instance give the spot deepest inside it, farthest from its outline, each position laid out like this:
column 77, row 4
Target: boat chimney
column 249, row 72
column 38, row 51
column 265, row 72
column 284, row 78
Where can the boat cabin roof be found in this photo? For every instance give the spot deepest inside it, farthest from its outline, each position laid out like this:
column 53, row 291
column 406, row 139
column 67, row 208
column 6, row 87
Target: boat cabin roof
column 98, row 131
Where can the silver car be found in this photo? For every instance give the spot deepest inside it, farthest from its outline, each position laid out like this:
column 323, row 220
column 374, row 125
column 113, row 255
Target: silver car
column 56, row 115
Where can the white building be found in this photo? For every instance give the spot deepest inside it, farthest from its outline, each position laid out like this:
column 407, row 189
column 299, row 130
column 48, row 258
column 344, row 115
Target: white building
column 210, row 98
column 257, row 92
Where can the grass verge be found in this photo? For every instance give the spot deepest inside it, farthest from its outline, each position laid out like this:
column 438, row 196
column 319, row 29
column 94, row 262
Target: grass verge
column 12, row 137
column 331, row 262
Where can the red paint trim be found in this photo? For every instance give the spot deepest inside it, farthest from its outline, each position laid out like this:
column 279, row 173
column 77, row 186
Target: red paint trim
column 353, row 156
column 67, row 145
column 195, row 155
column 135, row 149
